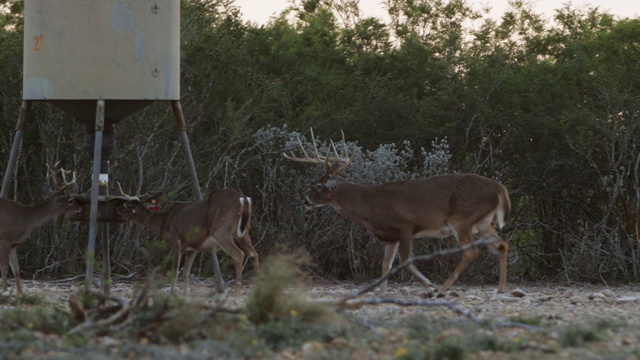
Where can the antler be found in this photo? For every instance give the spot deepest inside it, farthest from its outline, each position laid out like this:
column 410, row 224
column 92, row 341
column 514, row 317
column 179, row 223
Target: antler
column 55, row 171
column 326, row 160
column 125, row 195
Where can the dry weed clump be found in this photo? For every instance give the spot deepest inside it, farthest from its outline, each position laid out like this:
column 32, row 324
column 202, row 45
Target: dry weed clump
column 281, row 314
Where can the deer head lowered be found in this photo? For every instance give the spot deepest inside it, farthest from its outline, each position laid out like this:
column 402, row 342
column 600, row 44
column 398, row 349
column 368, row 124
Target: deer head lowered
column 220, row 220
column 462, row 205
column 18, row 221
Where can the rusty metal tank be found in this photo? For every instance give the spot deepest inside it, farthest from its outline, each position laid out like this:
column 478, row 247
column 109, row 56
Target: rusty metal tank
column 124, row 52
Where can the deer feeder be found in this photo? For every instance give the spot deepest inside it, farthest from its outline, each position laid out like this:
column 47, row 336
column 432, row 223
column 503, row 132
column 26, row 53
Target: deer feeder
column 101, row 61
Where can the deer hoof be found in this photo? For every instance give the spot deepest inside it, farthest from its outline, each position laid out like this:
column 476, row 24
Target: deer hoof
column 428, row 294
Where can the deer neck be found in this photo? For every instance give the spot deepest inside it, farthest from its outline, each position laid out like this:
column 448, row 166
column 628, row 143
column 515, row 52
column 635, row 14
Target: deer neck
column 347, row 198
column 149, row 219
column 40, row 214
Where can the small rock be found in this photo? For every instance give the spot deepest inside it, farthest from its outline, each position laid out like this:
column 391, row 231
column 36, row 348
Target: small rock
column 288, row 355
column 608, row 293
column 428, row 294
column 627, row 299
column 595, row 295
column 505, row 298
column 312, row 347
column 576, row 299
column 339, row 342
column 518, row 293
column 454, row 294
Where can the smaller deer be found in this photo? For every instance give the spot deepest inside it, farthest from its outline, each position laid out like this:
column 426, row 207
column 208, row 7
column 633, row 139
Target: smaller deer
column 18, row 221
column 219, row 221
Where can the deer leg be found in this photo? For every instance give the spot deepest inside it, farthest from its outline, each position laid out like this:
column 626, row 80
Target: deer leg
column 245, row 244
column 15, row 268
column 188, row 263
column 238, row 256
column 390, row 250
column 175, row 263
column 501, row 248
column 464, row 238
column 4, row 266
column 406, row 251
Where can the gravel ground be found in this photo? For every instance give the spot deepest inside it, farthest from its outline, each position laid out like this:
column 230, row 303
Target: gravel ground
column 535, row 316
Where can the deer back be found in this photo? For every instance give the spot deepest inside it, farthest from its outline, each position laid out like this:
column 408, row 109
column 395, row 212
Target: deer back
column 229, row 212
column 418, row 205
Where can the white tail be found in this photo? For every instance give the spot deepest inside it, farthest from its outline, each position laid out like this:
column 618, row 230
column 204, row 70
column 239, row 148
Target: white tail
column 18, row 221
column 245, row 217
column 219, row 221
column 462, row 205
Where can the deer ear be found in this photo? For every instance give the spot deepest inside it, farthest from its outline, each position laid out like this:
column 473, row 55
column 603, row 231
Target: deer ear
column 46, row 190
column 331, row 183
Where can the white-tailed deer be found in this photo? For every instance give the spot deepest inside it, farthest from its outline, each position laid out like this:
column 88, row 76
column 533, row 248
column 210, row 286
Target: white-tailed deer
column 18, row 221
column 462, row 205
column 220, row 220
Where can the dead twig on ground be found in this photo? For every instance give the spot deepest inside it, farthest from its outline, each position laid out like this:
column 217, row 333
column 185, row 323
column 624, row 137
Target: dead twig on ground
column 413, row 259
column 349, row 303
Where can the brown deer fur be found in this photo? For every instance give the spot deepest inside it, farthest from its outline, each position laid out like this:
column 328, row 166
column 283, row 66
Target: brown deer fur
column 220, row 220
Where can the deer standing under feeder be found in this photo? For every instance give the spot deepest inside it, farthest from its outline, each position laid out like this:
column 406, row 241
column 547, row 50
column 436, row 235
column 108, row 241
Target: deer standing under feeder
column 18, row 221
column 220, row 220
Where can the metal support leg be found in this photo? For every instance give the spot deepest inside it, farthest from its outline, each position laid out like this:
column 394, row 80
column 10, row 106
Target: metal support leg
column 106, row 252
column 182, row 130
column 95, row 188
column 15, row 148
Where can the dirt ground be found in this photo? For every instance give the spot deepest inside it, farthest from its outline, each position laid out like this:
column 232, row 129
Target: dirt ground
column 535, row 316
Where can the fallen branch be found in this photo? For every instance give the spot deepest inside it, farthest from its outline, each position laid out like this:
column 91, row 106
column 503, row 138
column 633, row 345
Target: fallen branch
column 348, row 303
column 413, row 259
column 100, row 316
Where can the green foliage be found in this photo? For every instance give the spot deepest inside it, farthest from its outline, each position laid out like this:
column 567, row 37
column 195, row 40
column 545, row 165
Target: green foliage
column 271, row 301
column 576, row 336
column 284, row 317
column 451, row 348
column 25, row 299
column 528, row 320
column 22, row 324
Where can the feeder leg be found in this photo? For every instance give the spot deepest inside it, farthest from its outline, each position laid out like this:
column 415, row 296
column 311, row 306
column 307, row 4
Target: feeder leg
column 15, row 148
column 95, row 188
column 106, row 254
column 182, row 131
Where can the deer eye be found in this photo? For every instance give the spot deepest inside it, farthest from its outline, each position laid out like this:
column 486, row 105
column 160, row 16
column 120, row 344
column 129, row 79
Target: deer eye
column 71, row 201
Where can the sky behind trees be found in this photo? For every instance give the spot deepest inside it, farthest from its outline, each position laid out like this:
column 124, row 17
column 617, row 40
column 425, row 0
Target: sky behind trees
column 259, row 11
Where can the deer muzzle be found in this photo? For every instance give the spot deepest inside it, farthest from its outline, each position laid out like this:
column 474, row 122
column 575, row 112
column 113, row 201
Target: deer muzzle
column 308, row 204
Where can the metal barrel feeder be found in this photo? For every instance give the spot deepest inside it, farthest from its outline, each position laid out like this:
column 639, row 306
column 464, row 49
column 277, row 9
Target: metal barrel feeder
column 100, row 62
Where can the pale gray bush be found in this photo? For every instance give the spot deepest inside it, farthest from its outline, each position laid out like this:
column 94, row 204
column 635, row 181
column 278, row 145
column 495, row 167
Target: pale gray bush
column 340, row 248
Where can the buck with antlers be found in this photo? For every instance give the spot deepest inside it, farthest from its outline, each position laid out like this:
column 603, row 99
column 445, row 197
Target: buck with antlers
column 220, row 220
column 462, row 205
column 18, row 221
